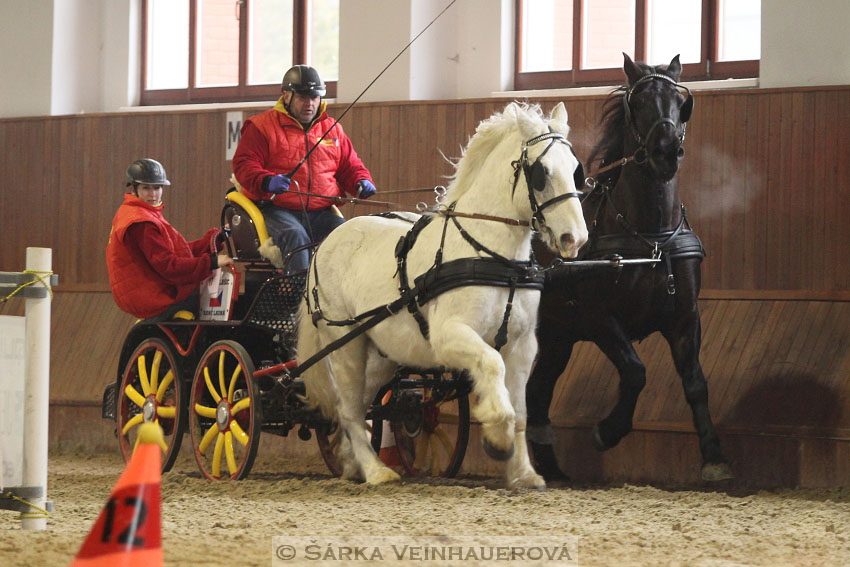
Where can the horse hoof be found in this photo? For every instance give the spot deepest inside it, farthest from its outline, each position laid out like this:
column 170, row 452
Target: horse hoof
column 716, row 472
column 546, row 464
column 529, row 481
column 498, row 454
column 382, row 476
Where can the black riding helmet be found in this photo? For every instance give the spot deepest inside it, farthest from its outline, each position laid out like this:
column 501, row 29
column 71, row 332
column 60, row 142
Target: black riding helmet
column 147, row 171
column 304, row 80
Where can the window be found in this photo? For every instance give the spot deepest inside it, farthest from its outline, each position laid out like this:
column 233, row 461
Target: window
column 564, row 43
column 234, row 50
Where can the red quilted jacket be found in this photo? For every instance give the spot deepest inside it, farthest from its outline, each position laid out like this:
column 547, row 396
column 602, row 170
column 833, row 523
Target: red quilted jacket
column 273, row 142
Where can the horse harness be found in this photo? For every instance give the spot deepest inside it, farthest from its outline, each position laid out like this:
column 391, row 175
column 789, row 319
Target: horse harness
column 679, row 243
column 493, row 270
column 676, row 244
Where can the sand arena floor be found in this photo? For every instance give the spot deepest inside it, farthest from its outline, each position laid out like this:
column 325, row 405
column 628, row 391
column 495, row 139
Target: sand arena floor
column 233, row 524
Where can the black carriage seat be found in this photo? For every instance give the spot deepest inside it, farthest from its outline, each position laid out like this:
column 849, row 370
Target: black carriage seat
column 247, row 227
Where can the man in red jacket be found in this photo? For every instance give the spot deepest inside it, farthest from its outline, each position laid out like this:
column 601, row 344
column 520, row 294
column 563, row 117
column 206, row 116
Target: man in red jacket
column 272, row 145
column 153, row 271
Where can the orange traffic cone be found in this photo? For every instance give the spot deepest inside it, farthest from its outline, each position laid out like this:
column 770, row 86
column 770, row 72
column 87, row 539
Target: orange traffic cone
column 128, row 530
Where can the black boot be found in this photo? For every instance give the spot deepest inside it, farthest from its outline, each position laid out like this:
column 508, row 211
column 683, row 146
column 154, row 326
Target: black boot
column 546, row 464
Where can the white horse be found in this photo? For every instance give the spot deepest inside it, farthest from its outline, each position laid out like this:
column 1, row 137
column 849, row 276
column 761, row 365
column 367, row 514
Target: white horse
column 354, row 271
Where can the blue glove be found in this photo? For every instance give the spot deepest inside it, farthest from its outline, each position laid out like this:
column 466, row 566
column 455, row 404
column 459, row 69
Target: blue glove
column 365, row 189
column 278, row 184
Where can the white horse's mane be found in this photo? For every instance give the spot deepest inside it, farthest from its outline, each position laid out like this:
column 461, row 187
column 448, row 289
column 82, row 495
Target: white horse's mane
column 488, row 135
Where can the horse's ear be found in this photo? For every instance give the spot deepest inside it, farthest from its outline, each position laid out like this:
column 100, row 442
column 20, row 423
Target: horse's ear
column 558, row 119
column 674, row 69
column 632, row 70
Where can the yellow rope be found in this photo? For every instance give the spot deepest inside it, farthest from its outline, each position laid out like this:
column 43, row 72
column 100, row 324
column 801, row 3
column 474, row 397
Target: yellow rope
column 42, row 513
column 39, row 277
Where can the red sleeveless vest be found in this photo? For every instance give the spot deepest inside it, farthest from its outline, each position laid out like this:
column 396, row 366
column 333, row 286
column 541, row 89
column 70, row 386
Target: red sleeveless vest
column 136, row 287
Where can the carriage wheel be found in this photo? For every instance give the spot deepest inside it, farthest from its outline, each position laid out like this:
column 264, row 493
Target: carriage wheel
column 328, row 437
column 150, row 390
column 434, row 443
column 225, row 413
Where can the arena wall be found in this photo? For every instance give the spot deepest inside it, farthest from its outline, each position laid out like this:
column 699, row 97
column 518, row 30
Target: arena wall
column 764, row 181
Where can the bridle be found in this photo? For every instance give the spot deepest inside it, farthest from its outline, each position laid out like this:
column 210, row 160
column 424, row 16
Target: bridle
column 535, row 178
column 684, row 114
column 641, row 155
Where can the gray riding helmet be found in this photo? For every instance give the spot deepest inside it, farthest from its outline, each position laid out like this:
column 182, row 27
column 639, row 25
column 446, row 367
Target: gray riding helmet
column 304, row 80
column 147, row 171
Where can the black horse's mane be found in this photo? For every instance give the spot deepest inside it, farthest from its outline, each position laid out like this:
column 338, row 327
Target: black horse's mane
column 610, row 146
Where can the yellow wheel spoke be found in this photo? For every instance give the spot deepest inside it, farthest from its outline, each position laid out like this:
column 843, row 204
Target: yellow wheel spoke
column 421, row 448
column 210, row 386
column 167, row 412
column 157, row 359
column 236, row 373
column 447, row 418
column 142, row 366
column 435, row 456
column 163, row 386
column 205, row 411
column 216, row 460
column 134, row 395
column 207, row 439
column 221, row 356
column 444, row 440
column 228, row 452
column 240, row 405
column 134, row 421
column 239, row 433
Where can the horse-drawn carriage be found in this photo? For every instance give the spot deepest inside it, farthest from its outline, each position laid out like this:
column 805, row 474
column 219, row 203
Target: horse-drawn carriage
column 226, row 381
column 462, row 290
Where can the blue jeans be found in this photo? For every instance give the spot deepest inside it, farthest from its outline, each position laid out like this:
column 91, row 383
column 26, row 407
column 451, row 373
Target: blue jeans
column 291, row 229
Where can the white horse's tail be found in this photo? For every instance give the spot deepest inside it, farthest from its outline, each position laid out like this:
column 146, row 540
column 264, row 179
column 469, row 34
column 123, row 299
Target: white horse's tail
column 318, row 379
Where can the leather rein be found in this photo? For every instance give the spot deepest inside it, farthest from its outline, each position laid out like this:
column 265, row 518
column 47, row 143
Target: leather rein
column 493, row 270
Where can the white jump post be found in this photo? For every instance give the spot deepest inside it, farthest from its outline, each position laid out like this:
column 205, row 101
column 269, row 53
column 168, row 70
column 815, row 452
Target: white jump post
column 37, row 390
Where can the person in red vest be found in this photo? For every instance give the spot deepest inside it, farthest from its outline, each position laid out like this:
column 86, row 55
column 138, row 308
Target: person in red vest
column 153, row 271
column 273, row 144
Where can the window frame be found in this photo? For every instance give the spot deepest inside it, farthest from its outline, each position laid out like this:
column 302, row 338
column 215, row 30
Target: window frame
column 243, row 92
column 708, row 67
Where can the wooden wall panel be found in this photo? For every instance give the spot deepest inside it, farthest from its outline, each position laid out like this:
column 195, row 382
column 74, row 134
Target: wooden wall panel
column 764, row 178
column 771, row 366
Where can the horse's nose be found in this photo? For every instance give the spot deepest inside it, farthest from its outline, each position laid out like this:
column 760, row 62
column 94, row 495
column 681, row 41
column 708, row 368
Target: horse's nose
column 571, row 242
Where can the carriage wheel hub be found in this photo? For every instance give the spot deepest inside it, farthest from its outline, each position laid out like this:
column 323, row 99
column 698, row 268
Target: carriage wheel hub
column 149, row 410
column 222, row 414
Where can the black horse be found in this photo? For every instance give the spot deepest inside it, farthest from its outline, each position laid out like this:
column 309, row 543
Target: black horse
column 633, row 211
